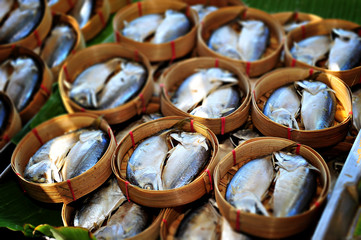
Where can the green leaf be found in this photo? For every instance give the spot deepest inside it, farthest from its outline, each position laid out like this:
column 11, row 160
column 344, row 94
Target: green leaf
column 65, row 233
column 105, row 36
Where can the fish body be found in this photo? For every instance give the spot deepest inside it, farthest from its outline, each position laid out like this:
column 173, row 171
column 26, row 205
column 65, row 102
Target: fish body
column 356, row 109
column 295, row 185
column 129, row 220
column 122, row 86
column 85, row 153
column 58, row 45
column 82, row 11
column 283, row 106
column 203, row 10
column 224, row 41
column 174, row 25
column 312, row 49
column 142, row 27
column 345, row 52
column 318, row 105
column 52, row 2
column 3, row 116
column 99, row 205
column 186, row 160
column 293, row 25
column 5, row 7
column 220, row 103
column 146, row 163
column 253, row 40
column 250, row 184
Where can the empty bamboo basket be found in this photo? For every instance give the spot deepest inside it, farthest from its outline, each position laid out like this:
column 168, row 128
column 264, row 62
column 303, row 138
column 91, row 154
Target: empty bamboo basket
column 178, row 73
column 13, row 121
column 97, row 54
column 157, row 52
column 313, row 138
column 71, row 189
column 226, row 15
column 259, row 225
column 201, row 185
column 323, row 27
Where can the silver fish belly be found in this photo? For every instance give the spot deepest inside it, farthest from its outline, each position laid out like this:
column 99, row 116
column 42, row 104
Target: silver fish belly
column 356, row 109
column 311, row 50
column 58, row 45
column 174, row 25
column 224, row 41
column 318, row 105
column 186, row 160
column 295, row 185
column 143, row 27
column 145, row 166
column 5, row 7
column 203, row 10
column 82, row 11
column 345, row 52
column 253, row 40
column 283, row 106
column 98, row 207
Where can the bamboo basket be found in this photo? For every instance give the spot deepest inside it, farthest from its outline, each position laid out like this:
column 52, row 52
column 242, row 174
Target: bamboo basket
column 178, row 73
column 151, row 232
column 36, row 37
column 350, row 77
column 63, row 6
column 283, row 17
column 98, row 20
column 116, row 5
column 157, row 52
column 313, row 138
column 217, row 3
column 225, row 15
column 13, row 124
column 100, row 53
column 41, row 96
column 258, row 225
column 201, row 185
column 166, row 226
column 72, row 189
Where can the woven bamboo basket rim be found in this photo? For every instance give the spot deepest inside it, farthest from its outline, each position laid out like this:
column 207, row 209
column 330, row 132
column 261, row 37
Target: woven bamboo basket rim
column 282, row 17
column 75, row 64
column 163, row 51
column 172, row 197
column 322, row 27
column 179, row 72
column 278, row 226
column 55, row 192
column 218, row 3
column 151, row 232
column 63, row 6
column 98, row 20
column 13, row 124
column 116, row 5
column 37, row 36
column 224, row 15
column 44, row 88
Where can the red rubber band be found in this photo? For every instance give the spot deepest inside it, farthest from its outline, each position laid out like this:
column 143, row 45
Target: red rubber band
column 359, row 32
column 73, row 51
column 126, row 190
column 254, row 95
column 244, row 14
column 223, row 124
column 311, row 71
column 22, row 188
column 82, row 110
column 350, row 113
column 6, row 138
column 45, row 89
column 210, row 178
column 141, row 97
column 238, row 220
column 102, row 19
column 192, row 127
column 187, row 11
column 293, row 63
column 289, row 136
column 298, row 148
column 38, row 39
column 140, row 13
column 317, row 204
column 37, row 136
column 248, row 68
column 65, row 69
column 132, row 138
column 166, row 223
column 303, row 28
column 216, row 64
column 234, row 157
column 117, row 36
column 136, row 56
column 110, row 132
column 13, row 46
column 71, row 189
column 172, row 45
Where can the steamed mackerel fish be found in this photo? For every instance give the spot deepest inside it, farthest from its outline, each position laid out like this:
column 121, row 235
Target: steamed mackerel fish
column 21, row 21
column 295, row 185
column 356, row 109
column 82, row 11
column 283, row 106
column 224, row 41
column 318, row 105
column 5, row 7
column 143, row 27
column 98, row 206
column 203, row 10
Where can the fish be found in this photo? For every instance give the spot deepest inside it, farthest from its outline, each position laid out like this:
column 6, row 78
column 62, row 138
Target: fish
column 224, row 41
column 318, row 105
column 129, row 220
column 253, row 40
column 219, row 103
column 142, row 27
column 186, row 159
column 82, row 11
column 201, row 222
column 91, row 81
column 249, row 186
column 295, row 184
column 197, row 86
column 356, row 109
column 21, row 21
column 58, row 45
column 312, row 49
column 345, row 52
column 293, row 25
column 145, row 166
column 5, row 8
column 52, row 2
column 243, row 135
column 44, row 166
column 3, row 116
column 85, row 153
column 174, row 25
column 122, row 86
column 99, row 205
column 283, row 106
column 203, row 10
column 23, row 82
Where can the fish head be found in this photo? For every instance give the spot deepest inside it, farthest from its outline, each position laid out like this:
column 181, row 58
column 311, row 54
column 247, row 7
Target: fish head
column 343, row 35
column 288, row 161
column 84, row 96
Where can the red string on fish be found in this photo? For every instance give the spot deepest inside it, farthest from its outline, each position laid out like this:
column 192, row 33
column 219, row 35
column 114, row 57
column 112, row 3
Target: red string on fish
column 238, row 220
column 223, row 125
column 234, row 157
column 172, row 45
column 216, row 63
column 289, row 133
column 22, row 188
column 132, row 138
column 192, row 126
column 248, row 68
column 298, row 148
column 37, row 37
column 47, row 91
column 65, row 69
column 102, row 19
column 141, row 97
column 37, row 135
column 140, row 13
column 126, row 190
column 210, row 178
column 71, row 189
column 293, row 63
